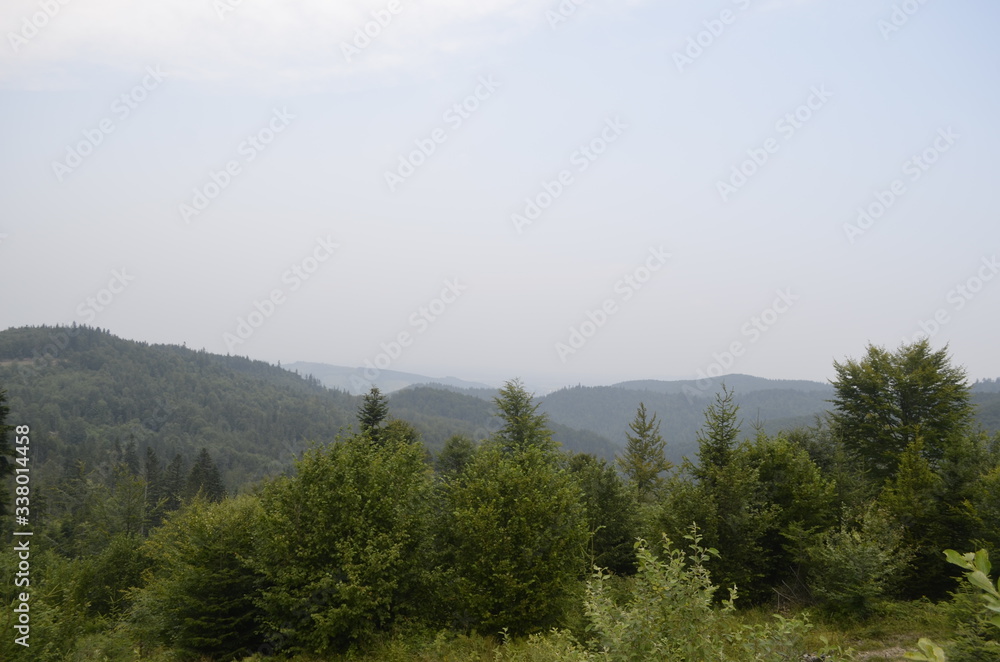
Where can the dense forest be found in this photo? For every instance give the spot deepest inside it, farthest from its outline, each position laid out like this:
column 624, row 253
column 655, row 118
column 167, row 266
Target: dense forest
column 187, row 506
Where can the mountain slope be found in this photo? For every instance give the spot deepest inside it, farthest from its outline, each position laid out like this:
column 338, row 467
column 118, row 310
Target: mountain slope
column 355, row 381
column 95, row 393
column 87, row 395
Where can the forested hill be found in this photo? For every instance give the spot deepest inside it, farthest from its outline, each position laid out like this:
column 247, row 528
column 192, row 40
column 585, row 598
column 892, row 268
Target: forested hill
column 680, row 405
column 607, row 410
column 87, row 394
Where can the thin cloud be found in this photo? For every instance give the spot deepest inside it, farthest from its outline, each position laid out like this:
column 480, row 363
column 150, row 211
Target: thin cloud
column 257, row 43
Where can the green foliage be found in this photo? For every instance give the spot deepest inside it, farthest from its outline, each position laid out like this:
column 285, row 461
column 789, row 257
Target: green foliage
column 455, row 456
column 645, row 459
column 523, row 426
column 978, row 566
column 514, row 537
column 670, row 615
column 795, row 497
column 373, row 412
column 717, row 438
column 612, row 516
column 852, row 566
column 342, row 545
column 885, row 401
column 6, row 451
column 979, row 630
column 204, row 479
column 199, row 595
column 94, row 389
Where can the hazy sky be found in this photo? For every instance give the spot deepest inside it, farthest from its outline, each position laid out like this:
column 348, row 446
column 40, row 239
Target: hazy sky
column 576, row 191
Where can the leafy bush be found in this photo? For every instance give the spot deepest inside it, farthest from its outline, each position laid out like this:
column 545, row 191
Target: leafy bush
column 670, row 615
column 850, row 567
column 342, row 545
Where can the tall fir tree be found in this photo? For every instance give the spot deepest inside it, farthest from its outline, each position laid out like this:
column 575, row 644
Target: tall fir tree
column 373, row 413
column 173, row 483
column 645, row 458
column 717, row 437
column 523, row 426
column 205, row 479
column 154, row 485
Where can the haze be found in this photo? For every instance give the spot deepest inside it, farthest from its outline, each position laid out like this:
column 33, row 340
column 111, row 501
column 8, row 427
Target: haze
column 569, row 192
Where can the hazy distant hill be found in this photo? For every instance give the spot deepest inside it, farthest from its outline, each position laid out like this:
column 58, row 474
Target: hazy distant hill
column 442, row 412
column 607, row 410
column 735, row 382
column 87, row 393
column 96, row 392
column 355, row 382
column 777, row 404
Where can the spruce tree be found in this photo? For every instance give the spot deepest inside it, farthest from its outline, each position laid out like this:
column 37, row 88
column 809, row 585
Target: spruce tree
column 173, row 483
column 205, row 479
column 154, row 485
column 644, row 460
column 523, row 426
column 373, row 412
column 717, row 437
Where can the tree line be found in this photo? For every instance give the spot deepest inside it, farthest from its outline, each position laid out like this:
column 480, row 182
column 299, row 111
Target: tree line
column 371, row 534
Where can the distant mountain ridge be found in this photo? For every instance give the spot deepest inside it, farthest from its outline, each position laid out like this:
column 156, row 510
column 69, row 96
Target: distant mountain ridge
column 735, row 382
column 358, row 381
column 89, row 393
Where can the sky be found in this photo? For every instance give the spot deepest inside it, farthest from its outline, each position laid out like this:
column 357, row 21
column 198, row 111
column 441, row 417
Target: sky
column 574, row 191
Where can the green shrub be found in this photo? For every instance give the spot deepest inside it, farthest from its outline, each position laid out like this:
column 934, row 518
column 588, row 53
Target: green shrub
column 849, row 568
column 670, row 616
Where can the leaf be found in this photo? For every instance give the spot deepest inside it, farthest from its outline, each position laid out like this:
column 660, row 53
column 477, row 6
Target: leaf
column 929, row 652
column 980, row 580
column 982, row 562
column 956, row 558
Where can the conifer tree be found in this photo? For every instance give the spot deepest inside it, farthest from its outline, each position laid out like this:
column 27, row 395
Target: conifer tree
column 644, row 460
column 717, row 438
column 373, row 412
column 523, row 426
column 205, row 479
column 173, row 483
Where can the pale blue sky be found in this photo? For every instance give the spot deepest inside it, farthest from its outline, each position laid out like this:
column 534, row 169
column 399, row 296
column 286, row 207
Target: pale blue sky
column 883, row 98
